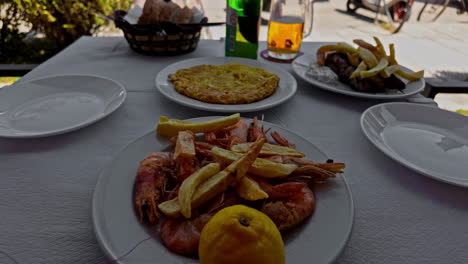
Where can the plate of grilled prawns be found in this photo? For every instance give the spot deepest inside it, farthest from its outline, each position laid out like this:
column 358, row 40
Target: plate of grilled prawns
column 165, row 186
column 363, row 71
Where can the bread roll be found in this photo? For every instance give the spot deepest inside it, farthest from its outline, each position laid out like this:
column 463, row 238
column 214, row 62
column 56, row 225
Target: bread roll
column 155, row 11
column 151, row 12
column 183, row 15
column 167, row 9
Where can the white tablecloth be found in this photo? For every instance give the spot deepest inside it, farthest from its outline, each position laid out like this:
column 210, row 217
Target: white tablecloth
column 46, row 184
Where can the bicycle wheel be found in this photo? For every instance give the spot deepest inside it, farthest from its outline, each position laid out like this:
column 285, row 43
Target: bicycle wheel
column 431, row 10
column 398, row 14
column 462, row 7
column 351, row 7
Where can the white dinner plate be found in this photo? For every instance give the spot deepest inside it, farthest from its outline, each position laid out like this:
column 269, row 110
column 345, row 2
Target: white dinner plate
column 427, row 139
column 319, row 240
column 286, row 88
column 301, row 67
column 56, row 104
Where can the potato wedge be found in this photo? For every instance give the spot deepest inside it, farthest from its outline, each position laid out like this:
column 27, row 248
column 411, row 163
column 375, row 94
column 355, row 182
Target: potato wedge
column 249, row 189
column 245, row 161
column 368, row 57
column 391, row 58
column 206, row 191
column 376, row 70
column 185, row 145
column 389, row 70
column 353, row 59
column 380, row 48
column 268, row 149
column 189, row 185
column 260, row 167
column 216, row 184
column 170, row 127
column 340, row 47
column 414, row 76
column 368, row 46
column 361, row 67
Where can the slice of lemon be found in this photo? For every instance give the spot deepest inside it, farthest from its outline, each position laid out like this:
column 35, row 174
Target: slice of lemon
column 170, row 127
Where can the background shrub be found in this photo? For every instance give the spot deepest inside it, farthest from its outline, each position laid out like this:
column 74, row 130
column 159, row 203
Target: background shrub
column 11, row 39
column 64, row 21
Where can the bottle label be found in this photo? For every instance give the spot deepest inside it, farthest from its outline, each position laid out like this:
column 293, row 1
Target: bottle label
column 231, row 28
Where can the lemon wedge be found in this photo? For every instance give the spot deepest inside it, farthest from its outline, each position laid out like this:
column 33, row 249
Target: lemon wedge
column 170, row 127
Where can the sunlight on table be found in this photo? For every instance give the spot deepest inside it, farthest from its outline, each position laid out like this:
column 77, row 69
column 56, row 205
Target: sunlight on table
column 453, row 102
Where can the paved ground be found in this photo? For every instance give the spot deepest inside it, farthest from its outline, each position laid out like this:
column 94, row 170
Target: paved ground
column 430, row 46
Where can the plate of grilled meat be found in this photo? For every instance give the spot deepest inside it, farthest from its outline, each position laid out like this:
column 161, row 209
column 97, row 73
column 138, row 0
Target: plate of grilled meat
column 363, row 71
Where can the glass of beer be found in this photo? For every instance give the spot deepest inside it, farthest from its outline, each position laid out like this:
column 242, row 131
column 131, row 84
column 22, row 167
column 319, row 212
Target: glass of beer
column 290, row 21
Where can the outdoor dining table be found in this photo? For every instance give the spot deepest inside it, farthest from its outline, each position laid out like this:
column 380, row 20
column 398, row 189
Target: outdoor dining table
column 46, row 184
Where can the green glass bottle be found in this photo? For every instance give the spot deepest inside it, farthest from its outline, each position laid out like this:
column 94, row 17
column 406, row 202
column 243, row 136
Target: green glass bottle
column 242, row 27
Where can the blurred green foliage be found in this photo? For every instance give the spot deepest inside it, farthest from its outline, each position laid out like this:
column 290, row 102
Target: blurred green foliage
column 11, row 39
column 61, row 21
column 64, row 21
column 8, row 80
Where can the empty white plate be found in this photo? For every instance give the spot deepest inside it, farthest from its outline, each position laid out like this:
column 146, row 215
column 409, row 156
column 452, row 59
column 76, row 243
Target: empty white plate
column 56, row 104
column 427, row 139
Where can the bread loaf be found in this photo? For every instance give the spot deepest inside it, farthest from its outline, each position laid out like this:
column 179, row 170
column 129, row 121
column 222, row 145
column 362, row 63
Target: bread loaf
column 151, row 12
column 183, row 15
column 155, row 11
column 167, row 9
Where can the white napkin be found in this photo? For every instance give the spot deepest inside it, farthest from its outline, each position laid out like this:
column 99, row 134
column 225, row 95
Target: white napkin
column 133, row 14
column 322, row 74
column 197, row 15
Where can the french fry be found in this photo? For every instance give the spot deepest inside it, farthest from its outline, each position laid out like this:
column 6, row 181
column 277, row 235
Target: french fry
column 361, row 67
column 249, row 189
column 185, row 145
column 380, row 48
column 368, row 57
column 366, row 45
column 247, row 159
column 340, row 47
column 376, row 70
column 345, row 48
column 268, row 149
column 188, row 186
column 206, row 191
column 170, row 127
column 353, row 58
column 391, row 57
column 370, row 60
column 410, row 76
column 260, row 167
column 389, row 70
column 216, row 184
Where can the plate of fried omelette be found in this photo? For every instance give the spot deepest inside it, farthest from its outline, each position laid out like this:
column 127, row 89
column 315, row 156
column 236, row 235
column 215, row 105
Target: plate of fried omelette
column 226, row 84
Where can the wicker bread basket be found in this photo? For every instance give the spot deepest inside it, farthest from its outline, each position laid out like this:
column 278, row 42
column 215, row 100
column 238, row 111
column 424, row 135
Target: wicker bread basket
column 161, row 39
